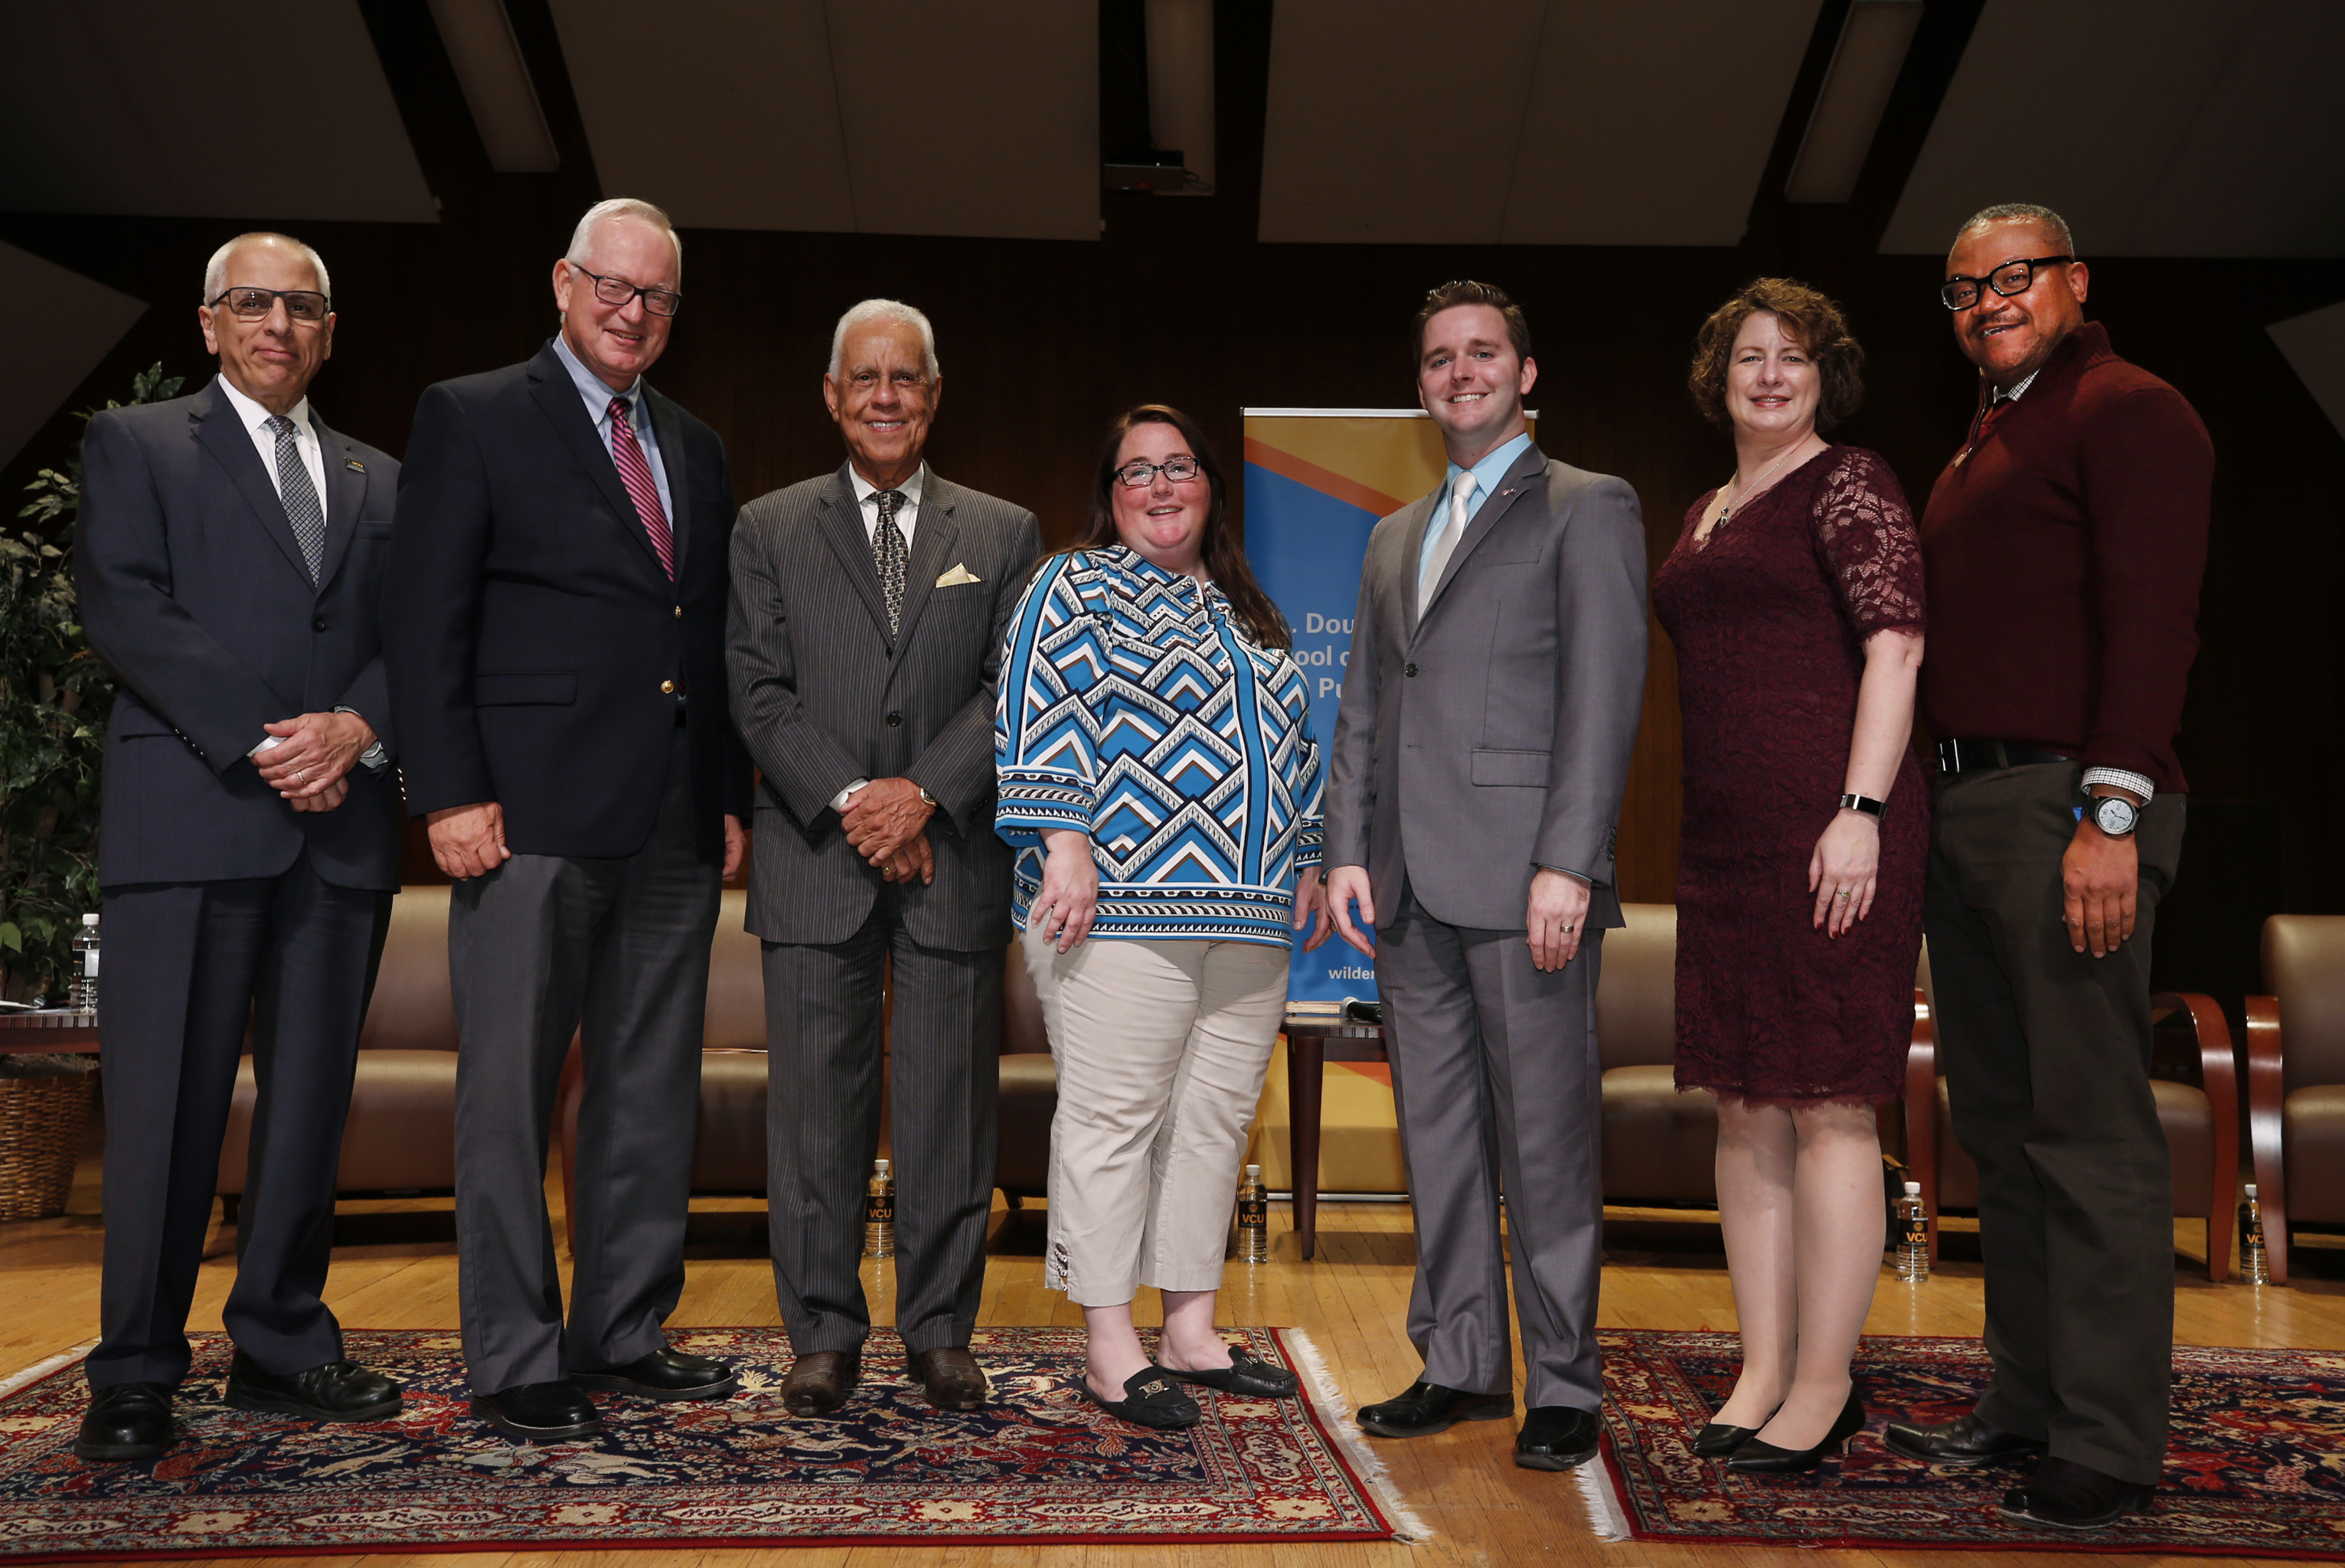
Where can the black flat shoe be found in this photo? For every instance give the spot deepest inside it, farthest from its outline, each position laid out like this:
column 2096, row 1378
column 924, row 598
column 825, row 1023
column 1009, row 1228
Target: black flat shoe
column 337, row 1391
column 2072, row 1496
column 1966, row 1441
column 1557, row 1437
column 541, row 1412
column 1757, row 1457
column 126, row 1421
column 664, row 1375
column 1244, row 1375
column 1428, row 1407
column 1149, row 1400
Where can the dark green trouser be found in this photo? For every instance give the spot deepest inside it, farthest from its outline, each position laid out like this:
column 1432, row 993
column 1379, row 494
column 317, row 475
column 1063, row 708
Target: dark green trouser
column 2046, row 1057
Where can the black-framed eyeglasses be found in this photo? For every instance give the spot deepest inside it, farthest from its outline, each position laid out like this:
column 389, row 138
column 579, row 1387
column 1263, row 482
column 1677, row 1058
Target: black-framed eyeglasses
column 1139, row 475
column 254, row 304
column 618, row 291
column 1959, row 293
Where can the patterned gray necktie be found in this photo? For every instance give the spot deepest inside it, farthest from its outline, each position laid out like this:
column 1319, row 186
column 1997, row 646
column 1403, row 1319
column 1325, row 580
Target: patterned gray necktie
column 301, row 496
column 888, row 554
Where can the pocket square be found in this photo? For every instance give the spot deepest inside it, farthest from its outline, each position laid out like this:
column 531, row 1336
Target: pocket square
column 957, row 576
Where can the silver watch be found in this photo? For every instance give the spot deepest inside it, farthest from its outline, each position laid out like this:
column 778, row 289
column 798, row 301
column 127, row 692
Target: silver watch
column 2114, row 815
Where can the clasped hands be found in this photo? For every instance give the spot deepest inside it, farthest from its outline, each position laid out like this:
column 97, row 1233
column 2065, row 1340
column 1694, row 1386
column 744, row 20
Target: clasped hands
column 310, row 766
column 886, row 823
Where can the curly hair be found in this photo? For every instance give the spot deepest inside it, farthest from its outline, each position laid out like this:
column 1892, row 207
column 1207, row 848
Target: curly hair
column 1811, row 321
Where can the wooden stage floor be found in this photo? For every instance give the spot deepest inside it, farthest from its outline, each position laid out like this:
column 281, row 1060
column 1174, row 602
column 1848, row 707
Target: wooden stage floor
column 397, row 1271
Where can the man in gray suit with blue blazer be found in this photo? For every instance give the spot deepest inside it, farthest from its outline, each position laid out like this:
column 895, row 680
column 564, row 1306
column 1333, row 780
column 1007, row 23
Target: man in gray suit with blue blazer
column 228, row 557
column 869, row 611
column 1489, row 709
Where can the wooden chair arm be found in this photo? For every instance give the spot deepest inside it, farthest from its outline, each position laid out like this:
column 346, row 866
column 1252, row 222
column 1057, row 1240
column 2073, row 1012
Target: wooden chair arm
column 2267, row 1088
column 1922, row 1114
column 2218, row 1077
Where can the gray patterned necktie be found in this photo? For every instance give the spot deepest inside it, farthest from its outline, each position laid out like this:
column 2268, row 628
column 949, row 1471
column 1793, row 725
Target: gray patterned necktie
column 301, row 496
column 890, row 555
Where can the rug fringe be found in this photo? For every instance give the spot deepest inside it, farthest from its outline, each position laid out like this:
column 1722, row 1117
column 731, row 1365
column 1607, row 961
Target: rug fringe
column 40, row 1370
column 1336, row 1413
column 1606, row 1517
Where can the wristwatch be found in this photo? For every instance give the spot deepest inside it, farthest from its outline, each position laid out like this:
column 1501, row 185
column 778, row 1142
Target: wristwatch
column 373, row 757
column 2114, row 815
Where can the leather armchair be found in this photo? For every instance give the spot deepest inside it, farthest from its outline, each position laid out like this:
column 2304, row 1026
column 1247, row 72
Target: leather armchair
column 2296, row 1079
column 1660, row 1147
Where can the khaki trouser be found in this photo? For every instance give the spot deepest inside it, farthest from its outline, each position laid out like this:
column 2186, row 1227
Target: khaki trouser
column 1160, row 1048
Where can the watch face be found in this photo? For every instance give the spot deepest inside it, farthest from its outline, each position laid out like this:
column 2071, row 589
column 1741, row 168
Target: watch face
column 2114, row 815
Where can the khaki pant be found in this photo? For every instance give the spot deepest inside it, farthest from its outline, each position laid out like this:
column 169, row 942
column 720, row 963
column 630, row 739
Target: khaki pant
column 1160, row 1048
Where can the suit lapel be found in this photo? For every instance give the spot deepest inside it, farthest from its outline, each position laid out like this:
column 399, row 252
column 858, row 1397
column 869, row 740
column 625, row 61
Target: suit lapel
column 842, row 529
column 668, row 430
column 221, row 433
column 1521, row 474
column 557, row 398
column 345, row 491
column 932, row 541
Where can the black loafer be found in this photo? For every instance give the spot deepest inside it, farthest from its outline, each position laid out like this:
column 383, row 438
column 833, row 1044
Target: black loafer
column 337, row 1391
column 1428, row 1407
column 1557, row 1437
column 126, row 1421
column 664, row 1375
column 2073, row 1496
column 540, row 1412
column 1244, row 1375
column 1149, row 1400
column 1966, row 1441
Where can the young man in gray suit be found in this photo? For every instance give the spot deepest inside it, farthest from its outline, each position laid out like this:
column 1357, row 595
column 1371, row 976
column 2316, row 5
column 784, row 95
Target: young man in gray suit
column 869, row 611
column 229, row 556
column 1498, row 668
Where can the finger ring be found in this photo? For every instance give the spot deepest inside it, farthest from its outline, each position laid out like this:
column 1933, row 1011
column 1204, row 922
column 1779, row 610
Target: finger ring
column 1842, row 894
column 1566, row 926
column 301, row 774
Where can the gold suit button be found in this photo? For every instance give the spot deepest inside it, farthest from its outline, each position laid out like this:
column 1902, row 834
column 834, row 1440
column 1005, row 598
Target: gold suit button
column 679, row 612
column 668, row 686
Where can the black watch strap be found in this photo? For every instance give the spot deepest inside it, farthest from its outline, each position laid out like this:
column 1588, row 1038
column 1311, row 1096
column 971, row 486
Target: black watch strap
column 1864, row 803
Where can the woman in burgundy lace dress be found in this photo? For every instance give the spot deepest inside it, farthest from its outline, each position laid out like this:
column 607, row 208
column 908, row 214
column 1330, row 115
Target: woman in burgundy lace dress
column 1794, row 598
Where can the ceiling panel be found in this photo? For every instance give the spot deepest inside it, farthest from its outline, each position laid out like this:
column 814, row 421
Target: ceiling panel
column 161, row 108
column 63, row 325
column 2157, row 128
column 1566, row 122
column 925, row 117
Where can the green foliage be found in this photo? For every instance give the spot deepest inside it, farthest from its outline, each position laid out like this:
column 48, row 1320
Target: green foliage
column 55, row 696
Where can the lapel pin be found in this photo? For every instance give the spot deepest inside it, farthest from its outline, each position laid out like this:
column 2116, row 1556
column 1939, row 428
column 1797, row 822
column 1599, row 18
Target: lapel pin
column 354, row 465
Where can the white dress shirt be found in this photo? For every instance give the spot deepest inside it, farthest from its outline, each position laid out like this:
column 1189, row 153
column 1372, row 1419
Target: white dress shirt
column 867, row 495
column 264, row 441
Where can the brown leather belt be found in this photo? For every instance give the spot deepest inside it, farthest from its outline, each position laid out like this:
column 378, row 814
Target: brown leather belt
column 1975, row 756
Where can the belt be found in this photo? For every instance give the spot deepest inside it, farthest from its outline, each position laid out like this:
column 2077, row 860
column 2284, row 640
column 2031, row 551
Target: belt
column 1973, row 756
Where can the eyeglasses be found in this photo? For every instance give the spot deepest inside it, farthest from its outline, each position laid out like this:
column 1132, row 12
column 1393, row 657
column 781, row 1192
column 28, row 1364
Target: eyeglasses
column 618, row 291
column 254, row 304
column 1137, row 475
column 2012, row 278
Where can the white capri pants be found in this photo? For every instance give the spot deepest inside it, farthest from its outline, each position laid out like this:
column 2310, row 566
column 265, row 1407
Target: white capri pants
column 1160, row 1048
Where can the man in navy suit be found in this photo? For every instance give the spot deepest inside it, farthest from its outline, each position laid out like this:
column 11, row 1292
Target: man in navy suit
column 229, row 559
column 555, row 627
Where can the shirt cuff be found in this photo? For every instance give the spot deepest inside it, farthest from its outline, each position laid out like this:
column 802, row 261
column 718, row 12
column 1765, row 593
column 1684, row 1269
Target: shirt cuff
column 2123, row 779
column 268, row 743
column 838, row 801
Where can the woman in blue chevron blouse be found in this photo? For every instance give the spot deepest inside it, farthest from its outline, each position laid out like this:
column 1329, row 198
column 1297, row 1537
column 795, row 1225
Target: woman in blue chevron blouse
column 1160, row 780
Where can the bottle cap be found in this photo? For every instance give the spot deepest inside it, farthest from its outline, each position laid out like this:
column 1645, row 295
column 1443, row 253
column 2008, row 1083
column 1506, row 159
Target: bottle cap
column 90, row 919
column 1253, row 1173
column 1912, row 1189
column 2252, row 1189
column 881, row 1167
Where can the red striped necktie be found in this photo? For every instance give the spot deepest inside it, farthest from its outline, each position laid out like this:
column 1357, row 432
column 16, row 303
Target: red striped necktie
column 636, row 475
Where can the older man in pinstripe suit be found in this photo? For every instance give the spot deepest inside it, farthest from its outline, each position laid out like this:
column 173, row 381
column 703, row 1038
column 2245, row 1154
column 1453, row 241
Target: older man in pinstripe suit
column 869, row 609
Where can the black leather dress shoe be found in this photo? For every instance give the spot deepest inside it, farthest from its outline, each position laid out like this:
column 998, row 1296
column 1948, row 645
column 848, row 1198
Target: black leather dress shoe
column 337, row 1391
column 1758, row 1457
column 540, row 1412
column 1151, row 1399
column 1557, row 1437
column 1965, row 1440
column 663, row 1375
column 949, row 1376
column 2074, row 1497
column 1246, row 1375
column 126, row 1421
column 1428, row 1407
column 818, row 1383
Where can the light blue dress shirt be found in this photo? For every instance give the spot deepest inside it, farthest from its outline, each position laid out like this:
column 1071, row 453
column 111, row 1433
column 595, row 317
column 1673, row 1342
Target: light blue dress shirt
column 1487, row 475
column 598, row 396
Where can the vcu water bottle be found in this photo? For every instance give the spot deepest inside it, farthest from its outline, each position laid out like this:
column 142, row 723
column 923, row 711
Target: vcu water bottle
column 1913, row 1236
column 82, row 990
column 1253, row 1218
column 879, row 1213
column 2255, row 1263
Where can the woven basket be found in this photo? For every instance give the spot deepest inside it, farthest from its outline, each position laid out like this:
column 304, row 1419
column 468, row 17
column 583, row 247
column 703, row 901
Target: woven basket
column 40, row 1126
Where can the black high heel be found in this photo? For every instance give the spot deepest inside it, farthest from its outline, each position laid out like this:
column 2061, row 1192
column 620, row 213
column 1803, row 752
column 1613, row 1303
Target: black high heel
column 1757, row 1457
column 1717, row 1439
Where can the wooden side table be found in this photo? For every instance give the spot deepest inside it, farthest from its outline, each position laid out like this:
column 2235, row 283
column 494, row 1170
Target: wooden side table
column 1314, row 1039
column 43, row 1033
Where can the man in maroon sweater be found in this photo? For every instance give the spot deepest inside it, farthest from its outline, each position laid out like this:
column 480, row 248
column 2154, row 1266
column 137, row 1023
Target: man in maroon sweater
column 2064, row 545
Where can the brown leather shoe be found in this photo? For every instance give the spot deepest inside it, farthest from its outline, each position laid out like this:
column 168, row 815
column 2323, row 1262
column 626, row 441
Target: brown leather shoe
column 818, row 1383
column 951, row 1376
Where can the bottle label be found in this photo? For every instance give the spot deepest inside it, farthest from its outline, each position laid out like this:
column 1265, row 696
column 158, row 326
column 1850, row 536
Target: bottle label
column 1915, row 1232
column 1254, row 1213
column 878, row 1211
column 89, row 962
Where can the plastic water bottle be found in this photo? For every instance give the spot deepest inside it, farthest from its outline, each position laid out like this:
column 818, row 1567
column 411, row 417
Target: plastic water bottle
column 1913, row 1236
column 879, row 1213
column 1253, row 1218
column 2255, row 1263
column 82, row 991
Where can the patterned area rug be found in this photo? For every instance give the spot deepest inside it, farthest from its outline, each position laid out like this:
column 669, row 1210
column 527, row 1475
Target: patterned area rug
column 1039, row 1464
column 2256, row 1466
